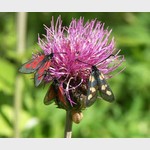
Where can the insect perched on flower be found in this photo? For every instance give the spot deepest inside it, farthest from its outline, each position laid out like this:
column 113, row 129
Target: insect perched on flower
column 81, row 67
column 97, row 82
column 56, row 94
column 40, row 65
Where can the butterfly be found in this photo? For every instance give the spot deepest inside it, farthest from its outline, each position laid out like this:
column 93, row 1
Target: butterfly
column 56, row 94
column 97, row 83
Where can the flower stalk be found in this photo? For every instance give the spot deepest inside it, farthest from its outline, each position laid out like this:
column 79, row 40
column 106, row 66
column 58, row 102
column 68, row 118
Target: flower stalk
column 68, row 125
column 21, row 42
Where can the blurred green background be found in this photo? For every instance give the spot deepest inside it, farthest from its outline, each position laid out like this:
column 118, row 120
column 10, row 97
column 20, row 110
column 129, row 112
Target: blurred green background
column 22, row 112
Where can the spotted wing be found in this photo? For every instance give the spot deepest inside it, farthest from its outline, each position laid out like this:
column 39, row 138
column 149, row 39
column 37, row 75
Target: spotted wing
column 32, row 65
column 104, row 89
column 50, row 95
column 61, row 100
column 92, row 90
column 41, row 73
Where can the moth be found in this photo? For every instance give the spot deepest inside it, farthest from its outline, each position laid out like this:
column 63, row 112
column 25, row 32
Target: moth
column 39, row 65
column 97, row 82
column 56, row 94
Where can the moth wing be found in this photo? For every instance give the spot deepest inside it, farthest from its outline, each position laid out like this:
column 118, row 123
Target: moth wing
column 60, row 96
column 40, row 74
column 92, row 90
column 32, row 65
column 50, row 95
column 104, row 89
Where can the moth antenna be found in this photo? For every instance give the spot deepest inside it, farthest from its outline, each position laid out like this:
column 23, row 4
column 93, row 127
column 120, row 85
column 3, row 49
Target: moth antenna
column 106, row 58
column 84, row 62
column 97, row 63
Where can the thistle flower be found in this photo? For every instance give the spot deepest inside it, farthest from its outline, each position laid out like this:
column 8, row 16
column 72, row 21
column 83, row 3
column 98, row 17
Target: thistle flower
column 76, row 49
column 76, row 61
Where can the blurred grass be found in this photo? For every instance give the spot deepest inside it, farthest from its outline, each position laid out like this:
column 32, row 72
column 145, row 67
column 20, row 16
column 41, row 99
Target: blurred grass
column 127, row 117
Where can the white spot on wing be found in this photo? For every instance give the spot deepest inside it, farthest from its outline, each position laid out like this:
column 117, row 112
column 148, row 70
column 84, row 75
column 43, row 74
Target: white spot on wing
column 92, row 89
column 89, row 97
column 108, row 93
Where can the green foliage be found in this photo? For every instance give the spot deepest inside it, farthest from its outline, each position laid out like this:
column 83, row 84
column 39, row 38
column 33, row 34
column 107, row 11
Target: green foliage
column 127, row 117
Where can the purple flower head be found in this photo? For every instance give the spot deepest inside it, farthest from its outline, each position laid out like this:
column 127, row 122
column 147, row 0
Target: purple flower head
column 75, row 50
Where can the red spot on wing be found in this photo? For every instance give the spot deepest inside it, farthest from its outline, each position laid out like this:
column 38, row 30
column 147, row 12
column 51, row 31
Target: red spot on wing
column 50, row 95
column 40, row 74
column 42, row 69
column 61, row 95
column 35, row 62
column 32, row 65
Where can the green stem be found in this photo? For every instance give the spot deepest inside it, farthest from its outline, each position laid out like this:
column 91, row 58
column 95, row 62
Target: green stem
column 21, row 36
column 68, row 126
